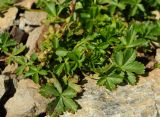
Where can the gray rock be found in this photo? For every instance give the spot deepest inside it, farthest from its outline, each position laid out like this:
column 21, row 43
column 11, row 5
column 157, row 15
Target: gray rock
column 157, row 57
column 33, row 18
column 27, row 101
column 10, row 69
column 26, row 3
column 141, row 100
column 8, row 19
column 2, row 88
column 35, row 36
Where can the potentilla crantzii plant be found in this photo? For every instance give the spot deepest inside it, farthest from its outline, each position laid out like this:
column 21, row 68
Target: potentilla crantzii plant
column 87, row 36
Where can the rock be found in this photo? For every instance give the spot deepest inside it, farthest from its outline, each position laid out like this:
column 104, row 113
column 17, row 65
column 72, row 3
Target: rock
column 22, row 23
column 10, row 68
column 26, row 3
column 157, row 14
column 34, row 18
column 2, row 88
column 141, row 100
column 34, row 36
column 28, row 29
column 157, row 57
column 19, row 35
column 8, row 19
column 27, row 101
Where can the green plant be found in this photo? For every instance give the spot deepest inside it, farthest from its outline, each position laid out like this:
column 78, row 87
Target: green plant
column 5, row 4
column 6, row 43
column 64, row 97
column 94, row 36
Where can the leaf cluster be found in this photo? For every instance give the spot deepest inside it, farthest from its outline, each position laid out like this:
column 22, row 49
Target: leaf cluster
column 94, row 36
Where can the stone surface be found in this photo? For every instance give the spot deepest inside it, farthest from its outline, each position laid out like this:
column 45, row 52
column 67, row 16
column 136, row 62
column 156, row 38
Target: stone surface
column 33, row 18
column 26, row 101
column 8, row 19
column 157, row 57
column 10, row 68
column 141, row 100
column 26, row 3
column 19, row 35
column 2, row 88
column 34, row 36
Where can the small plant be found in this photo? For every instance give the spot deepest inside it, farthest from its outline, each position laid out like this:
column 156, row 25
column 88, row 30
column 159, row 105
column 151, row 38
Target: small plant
column 123, row 68
column 6, row 43
column 94, row 36
column 64, row 97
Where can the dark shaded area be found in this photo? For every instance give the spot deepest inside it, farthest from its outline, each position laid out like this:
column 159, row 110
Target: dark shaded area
column 2, row 66
column 10, row 91
column 19, row 35
column 42, row 115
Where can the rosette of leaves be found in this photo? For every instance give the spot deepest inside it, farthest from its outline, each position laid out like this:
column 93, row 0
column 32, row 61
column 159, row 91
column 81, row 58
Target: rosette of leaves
column 124, row 67
column 132, row 39
column 63, row 95
column 6, row 43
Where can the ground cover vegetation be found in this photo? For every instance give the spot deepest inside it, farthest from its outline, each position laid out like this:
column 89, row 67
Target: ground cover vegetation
column 100, row 37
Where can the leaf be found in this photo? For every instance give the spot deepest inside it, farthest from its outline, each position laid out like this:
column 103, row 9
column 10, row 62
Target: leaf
column 128, row 63
column 69, row 93
column 43, row 72
column 20, row 70
column 131, row 41
column 35, row 78
column 129, row 56
column 49, row 90
column 131, row 78
column 75, row 86
column 59, row 68
column 6, row 42
column 67, row 67
column 118, row 58
column 56, row 43
column 135, row 67
column 61, row 52
column 20, row 60
column 51, row 8
column 34, row 57
column 57, row 85
column 70, row 104
column 18, row 50
column 73, row 56
column 110, row 81
column 29, row 73
column 59, row 105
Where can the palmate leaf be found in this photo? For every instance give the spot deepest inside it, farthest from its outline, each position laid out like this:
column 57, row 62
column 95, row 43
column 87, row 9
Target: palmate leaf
column 131, row 40
column 64, row 97
column 75, row 86
column 110, row 81
column 129, row 56
column 70, row 93
column 135, row 67
column 6, row 42
column 126, row 61
column 70, row 104
column 49, row 91
column 34, row 72
column 56, row 107
column 136, row 5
